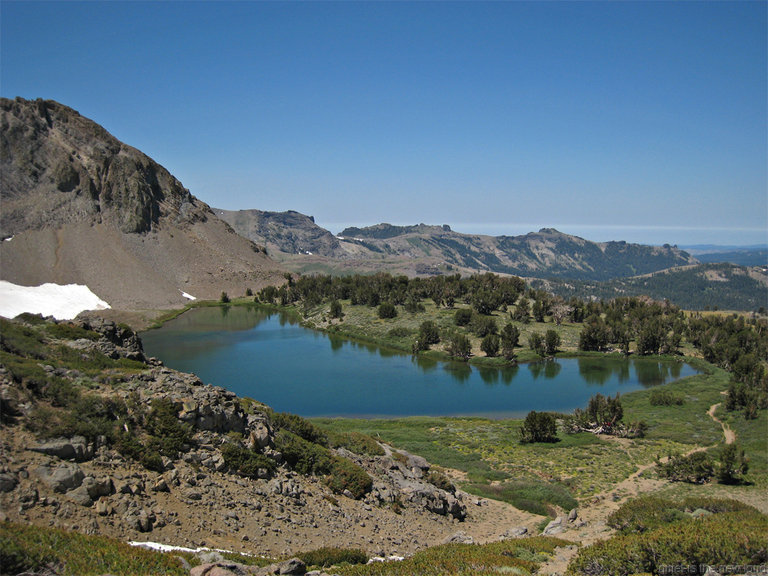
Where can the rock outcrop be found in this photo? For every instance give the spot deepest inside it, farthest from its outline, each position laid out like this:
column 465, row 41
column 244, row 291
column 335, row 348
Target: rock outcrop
column 192, row 494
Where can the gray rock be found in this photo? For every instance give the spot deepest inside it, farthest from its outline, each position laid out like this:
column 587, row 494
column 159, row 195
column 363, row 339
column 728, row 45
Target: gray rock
column 459, row 537
column 80, row 496
column 294, row 566
column 98, row 487
column 554, row 527
column 7, row 482
column 573, row 514
column 75, row 448
column 516, row 532
column 64, row 477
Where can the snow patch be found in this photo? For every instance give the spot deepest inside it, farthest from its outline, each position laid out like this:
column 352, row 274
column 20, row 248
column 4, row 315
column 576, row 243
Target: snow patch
column 61, row 302
column 187, row 296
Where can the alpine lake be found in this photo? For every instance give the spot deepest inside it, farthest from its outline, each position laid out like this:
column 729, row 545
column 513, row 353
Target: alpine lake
column 270, row 357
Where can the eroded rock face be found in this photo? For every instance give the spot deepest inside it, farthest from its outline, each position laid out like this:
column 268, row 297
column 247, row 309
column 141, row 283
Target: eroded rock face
column 48, row 147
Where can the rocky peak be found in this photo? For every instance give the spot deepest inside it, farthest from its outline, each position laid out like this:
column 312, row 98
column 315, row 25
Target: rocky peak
column 61, row 168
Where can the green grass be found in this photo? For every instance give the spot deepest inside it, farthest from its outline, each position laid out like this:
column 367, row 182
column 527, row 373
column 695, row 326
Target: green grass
column 488, row 451
column 520, row 556
column 29, row 548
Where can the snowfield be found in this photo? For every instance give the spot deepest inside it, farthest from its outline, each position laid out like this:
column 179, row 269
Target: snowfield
column 61, row 302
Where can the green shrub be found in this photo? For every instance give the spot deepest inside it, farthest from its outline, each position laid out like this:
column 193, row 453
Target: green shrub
column 346, row 475
column 696, row 468
column 440, row 480
column 642, row 514
column 327, row 557
column 536, row 497
column 299, row 426
column 301, row 455
column 51, row 550
column 66, row 331
column 462, row 317
column 163, row 423
column 245, row 462
column 387, row 310
column 355, row 442
column 538, row 427
column 728, row 538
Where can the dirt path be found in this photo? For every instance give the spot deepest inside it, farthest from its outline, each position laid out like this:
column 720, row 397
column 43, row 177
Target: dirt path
column 595, row 512
column 730, row 435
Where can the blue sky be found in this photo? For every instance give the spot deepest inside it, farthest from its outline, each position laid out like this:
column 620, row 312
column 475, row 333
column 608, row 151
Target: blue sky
column 638, row 121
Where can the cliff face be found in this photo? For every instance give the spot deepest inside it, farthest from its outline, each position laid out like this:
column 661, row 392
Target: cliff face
column 79, row 206
column 286, row 232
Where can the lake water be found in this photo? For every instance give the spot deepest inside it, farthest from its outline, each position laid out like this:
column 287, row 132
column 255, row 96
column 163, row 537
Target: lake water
column 269, row 357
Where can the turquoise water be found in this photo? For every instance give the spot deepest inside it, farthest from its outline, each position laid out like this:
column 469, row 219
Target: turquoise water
column 271, row 358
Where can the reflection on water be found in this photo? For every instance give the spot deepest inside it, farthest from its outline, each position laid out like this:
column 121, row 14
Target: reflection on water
column 270, row 357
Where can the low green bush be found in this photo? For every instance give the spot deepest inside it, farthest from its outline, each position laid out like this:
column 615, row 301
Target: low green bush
column 355, row 442
column 696, row 468
column 328, row 556
column 298, row 426
column 440, row 480
column 50, row 550
column 535, row 497
column 245, row 462
column 728, row 538
column 346, row 475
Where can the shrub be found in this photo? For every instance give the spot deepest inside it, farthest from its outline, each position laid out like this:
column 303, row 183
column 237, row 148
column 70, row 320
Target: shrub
column 163, row 424
column 355, row 442
column 346, row 475
column 428, row 332
column 336, row 310
column 224, row 298
column 245, row 462
column 387, row 310
column 459, row 346
column 536, row 343
column 729, row 538
column 484, row 325
column 551, row 341
column 441, row 481
column 462, row 317
column 299, row 426
column 490, row 345
column 538, row 427
column 732, row 465
column 303, row 456
column 696, row 468
column 327, row 557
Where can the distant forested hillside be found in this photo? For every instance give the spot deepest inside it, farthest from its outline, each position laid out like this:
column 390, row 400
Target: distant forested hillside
column 702, row 287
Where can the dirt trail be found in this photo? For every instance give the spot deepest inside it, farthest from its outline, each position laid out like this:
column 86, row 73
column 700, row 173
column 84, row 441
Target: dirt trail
column 730, row 435
column 595, row 512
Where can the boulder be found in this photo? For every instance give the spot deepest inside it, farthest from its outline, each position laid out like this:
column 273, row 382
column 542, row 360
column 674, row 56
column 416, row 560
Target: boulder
column 80, row 496
column 75, row 448
column 7, row 482
column 554, row 527
column 62, row 478
column 459, row 537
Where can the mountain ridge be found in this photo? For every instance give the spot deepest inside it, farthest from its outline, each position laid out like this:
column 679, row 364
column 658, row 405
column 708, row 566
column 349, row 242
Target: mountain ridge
column 424, row 249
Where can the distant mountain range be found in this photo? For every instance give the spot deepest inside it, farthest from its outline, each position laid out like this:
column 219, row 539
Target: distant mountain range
column 81, row 207
column 423, row 249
